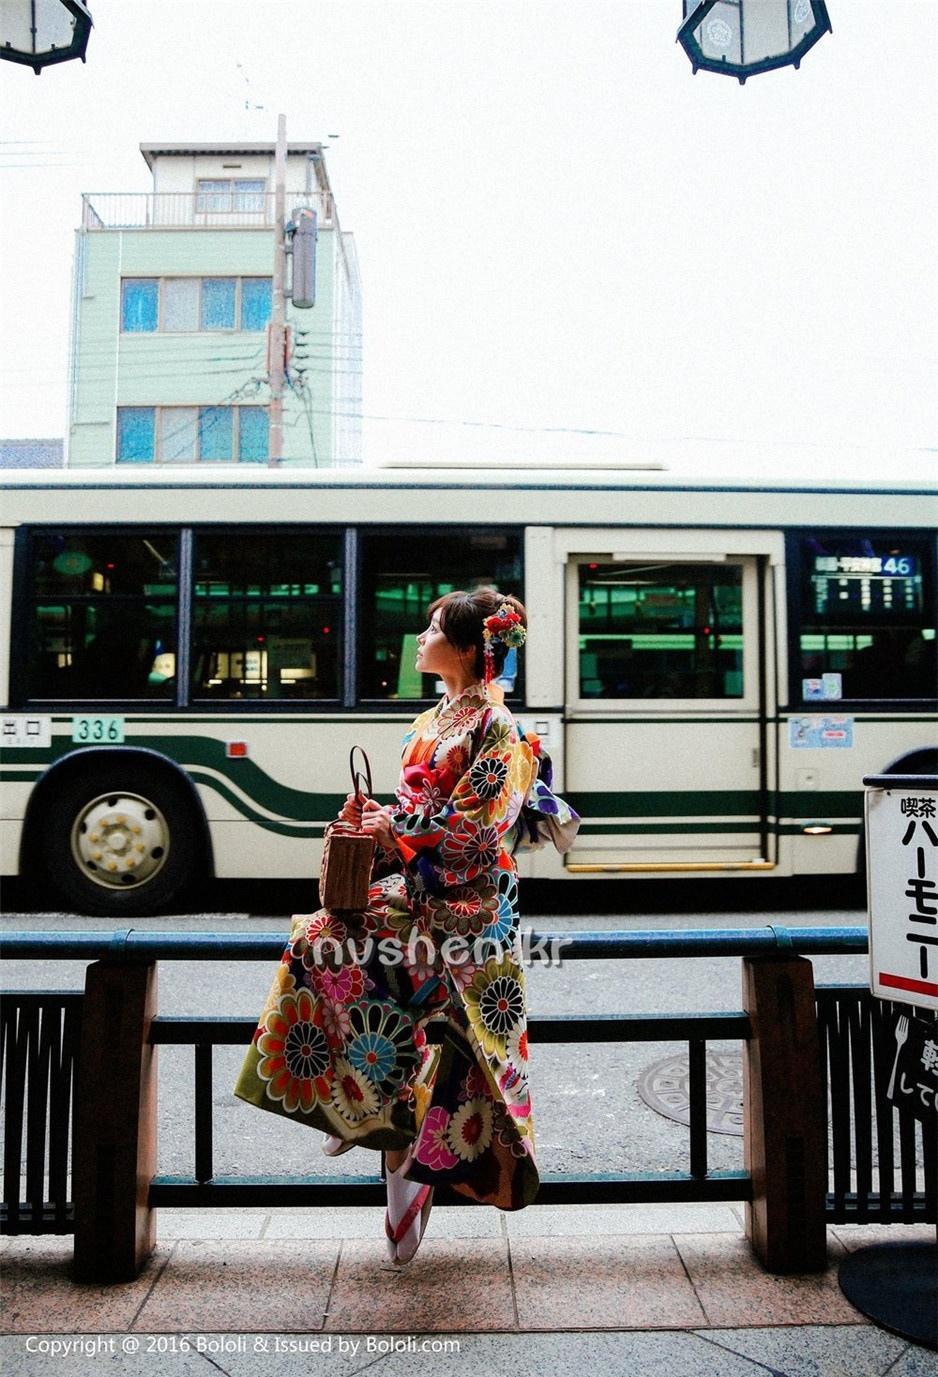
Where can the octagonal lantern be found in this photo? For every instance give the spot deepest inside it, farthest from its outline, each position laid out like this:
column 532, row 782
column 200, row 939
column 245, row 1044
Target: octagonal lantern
column 38, row 33
column 741, row 38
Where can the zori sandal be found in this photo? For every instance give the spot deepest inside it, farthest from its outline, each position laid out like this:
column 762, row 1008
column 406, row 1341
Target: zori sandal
column 405, row 1221
column 334, row 1147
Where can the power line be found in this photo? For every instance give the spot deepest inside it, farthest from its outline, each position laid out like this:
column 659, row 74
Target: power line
column 304, row 394
column 168, row 354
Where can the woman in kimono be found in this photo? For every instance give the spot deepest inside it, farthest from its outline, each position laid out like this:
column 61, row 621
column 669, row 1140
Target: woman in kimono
column 341, row 1041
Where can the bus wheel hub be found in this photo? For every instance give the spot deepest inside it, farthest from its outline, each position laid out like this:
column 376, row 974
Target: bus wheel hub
column 120, row 840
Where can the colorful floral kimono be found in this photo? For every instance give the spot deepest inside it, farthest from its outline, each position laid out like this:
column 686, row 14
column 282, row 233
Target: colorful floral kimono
column 341, row 1042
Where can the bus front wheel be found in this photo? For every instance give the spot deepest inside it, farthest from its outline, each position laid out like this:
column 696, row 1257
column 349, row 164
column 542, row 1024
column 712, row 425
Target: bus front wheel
column 120, row 840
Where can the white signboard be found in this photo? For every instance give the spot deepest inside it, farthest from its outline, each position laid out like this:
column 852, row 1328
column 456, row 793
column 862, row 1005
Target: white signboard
column 902, row 878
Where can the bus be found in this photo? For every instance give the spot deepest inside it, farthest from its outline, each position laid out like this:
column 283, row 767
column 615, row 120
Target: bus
column 187, row 655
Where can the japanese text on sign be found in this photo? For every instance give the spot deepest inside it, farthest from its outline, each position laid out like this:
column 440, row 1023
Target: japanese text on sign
column 913, row 1085
column 902, row 840
column 35, row 732
column 922, row 887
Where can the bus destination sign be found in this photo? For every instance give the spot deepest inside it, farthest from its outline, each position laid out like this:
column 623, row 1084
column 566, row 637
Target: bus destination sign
column 867, row 566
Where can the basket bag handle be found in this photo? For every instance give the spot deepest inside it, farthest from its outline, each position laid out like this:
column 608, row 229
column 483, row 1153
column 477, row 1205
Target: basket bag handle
column 347, row 853
column 359, row 779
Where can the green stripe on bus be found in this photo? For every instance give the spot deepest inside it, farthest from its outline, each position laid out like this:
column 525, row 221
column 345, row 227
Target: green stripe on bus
column 796, row 829
column 283, row 829
column 662, row 828
column 714, row 803
column 306, row 806
column 668, row 803
column 638, row 829
column 194, row 751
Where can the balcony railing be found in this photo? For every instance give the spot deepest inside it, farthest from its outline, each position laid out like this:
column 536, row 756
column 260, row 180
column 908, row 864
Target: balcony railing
column 196, row 210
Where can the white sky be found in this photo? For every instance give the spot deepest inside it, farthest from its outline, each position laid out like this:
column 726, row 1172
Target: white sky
column 559, row 227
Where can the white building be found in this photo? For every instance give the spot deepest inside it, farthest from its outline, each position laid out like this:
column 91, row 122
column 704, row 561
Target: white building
column 170, row 306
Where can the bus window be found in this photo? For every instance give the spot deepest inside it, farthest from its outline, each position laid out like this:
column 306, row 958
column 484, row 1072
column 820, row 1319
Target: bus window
column 867, row 623
column 402, row 574
column 267, row 615
column 101, row 615
column 660, row 630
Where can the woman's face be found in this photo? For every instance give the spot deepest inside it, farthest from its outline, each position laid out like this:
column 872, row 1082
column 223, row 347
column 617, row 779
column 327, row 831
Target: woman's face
column 437, row 655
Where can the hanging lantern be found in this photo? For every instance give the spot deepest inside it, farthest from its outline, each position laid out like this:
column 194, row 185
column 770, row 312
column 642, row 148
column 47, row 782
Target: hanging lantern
column 37, row 33
column 743, row 37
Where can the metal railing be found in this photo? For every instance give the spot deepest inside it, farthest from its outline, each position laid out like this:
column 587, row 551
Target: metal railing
column 39, row 1036
column 203, row 1188
column 195, row 210
column 858, row 1049
column 39, row 1058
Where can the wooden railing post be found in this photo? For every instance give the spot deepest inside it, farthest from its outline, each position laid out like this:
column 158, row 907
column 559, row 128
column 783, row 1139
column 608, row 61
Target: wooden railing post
column 784, row 1120
column 115, row 1132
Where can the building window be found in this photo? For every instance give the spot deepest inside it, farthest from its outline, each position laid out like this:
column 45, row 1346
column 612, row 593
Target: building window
column 186, row 305
column 179, row 428
column 139, row 304
column 180, row 304
column 255, row 302
column 135, row 434
column 219, row 194
column 191, row 434
column 252, row 434
column 267, row 615
column 218, row 303
column 215, row 432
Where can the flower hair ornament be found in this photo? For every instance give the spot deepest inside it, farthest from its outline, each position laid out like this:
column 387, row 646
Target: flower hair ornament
column 504, row 627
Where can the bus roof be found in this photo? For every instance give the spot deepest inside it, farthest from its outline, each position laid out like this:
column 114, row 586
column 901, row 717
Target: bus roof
column 593, row 499
column 534, row 476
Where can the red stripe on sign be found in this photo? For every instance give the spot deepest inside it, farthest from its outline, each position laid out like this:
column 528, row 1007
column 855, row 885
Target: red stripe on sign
column 902, row 982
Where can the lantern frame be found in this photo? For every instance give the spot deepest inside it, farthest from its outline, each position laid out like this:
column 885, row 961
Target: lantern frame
column 76, row 48
column 743, row 70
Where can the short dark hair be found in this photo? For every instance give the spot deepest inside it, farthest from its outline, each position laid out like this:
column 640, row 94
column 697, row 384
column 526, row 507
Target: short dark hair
column 461, row 618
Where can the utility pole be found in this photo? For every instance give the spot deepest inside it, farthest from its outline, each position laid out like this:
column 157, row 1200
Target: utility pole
column 276, row 330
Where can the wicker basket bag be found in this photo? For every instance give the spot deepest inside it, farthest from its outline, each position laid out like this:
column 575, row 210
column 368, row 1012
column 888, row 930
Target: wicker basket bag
column 347, row 853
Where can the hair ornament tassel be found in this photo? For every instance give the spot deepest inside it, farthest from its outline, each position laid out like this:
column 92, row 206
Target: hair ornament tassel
column 505, row 627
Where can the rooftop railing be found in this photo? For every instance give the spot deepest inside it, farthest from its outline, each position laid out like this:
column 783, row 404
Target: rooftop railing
column 195, row 210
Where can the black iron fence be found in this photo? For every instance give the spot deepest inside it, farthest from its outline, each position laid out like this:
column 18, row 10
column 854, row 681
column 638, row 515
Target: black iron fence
column 869, row 1138
column 79, row 1088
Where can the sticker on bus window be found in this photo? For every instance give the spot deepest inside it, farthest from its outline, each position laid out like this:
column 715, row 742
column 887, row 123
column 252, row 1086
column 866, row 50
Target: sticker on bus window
column 819, row 733
column 26, row 731
column 829, row 688
column 98, row 731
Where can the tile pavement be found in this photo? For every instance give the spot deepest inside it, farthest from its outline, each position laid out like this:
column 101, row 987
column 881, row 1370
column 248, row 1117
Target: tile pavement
column 628, row 1289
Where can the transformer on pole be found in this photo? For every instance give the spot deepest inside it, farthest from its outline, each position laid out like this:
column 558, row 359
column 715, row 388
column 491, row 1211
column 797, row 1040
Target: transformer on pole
column 302, row 231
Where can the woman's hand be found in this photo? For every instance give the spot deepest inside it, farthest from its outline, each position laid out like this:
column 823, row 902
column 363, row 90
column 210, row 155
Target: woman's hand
column 351, row 811
column 376, row 823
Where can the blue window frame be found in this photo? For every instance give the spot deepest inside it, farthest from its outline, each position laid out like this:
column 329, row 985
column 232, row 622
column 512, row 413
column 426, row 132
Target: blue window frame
column 215, row 432
column 174, row 434
column 218, row 303
column 252, row 434
column 255, row 303
column 136, row 434
column 140, row 304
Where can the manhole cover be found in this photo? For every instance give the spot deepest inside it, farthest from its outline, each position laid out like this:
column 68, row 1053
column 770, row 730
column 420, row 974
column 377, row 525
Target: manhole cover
column 663, row 1087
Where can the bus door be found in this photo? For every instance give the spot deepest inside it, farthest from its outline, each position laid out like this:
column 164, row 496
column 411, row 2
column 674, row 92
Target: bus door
column 664, row 745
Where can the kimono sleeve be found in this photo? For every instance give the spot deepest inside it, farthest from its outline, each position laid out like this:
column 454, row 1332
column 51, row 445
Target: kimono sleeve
column 462, row 839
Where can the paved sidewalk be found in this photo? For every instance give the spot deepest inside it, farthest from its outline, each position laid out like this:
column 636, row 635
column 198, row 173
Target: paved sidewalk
column 662, row 1291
